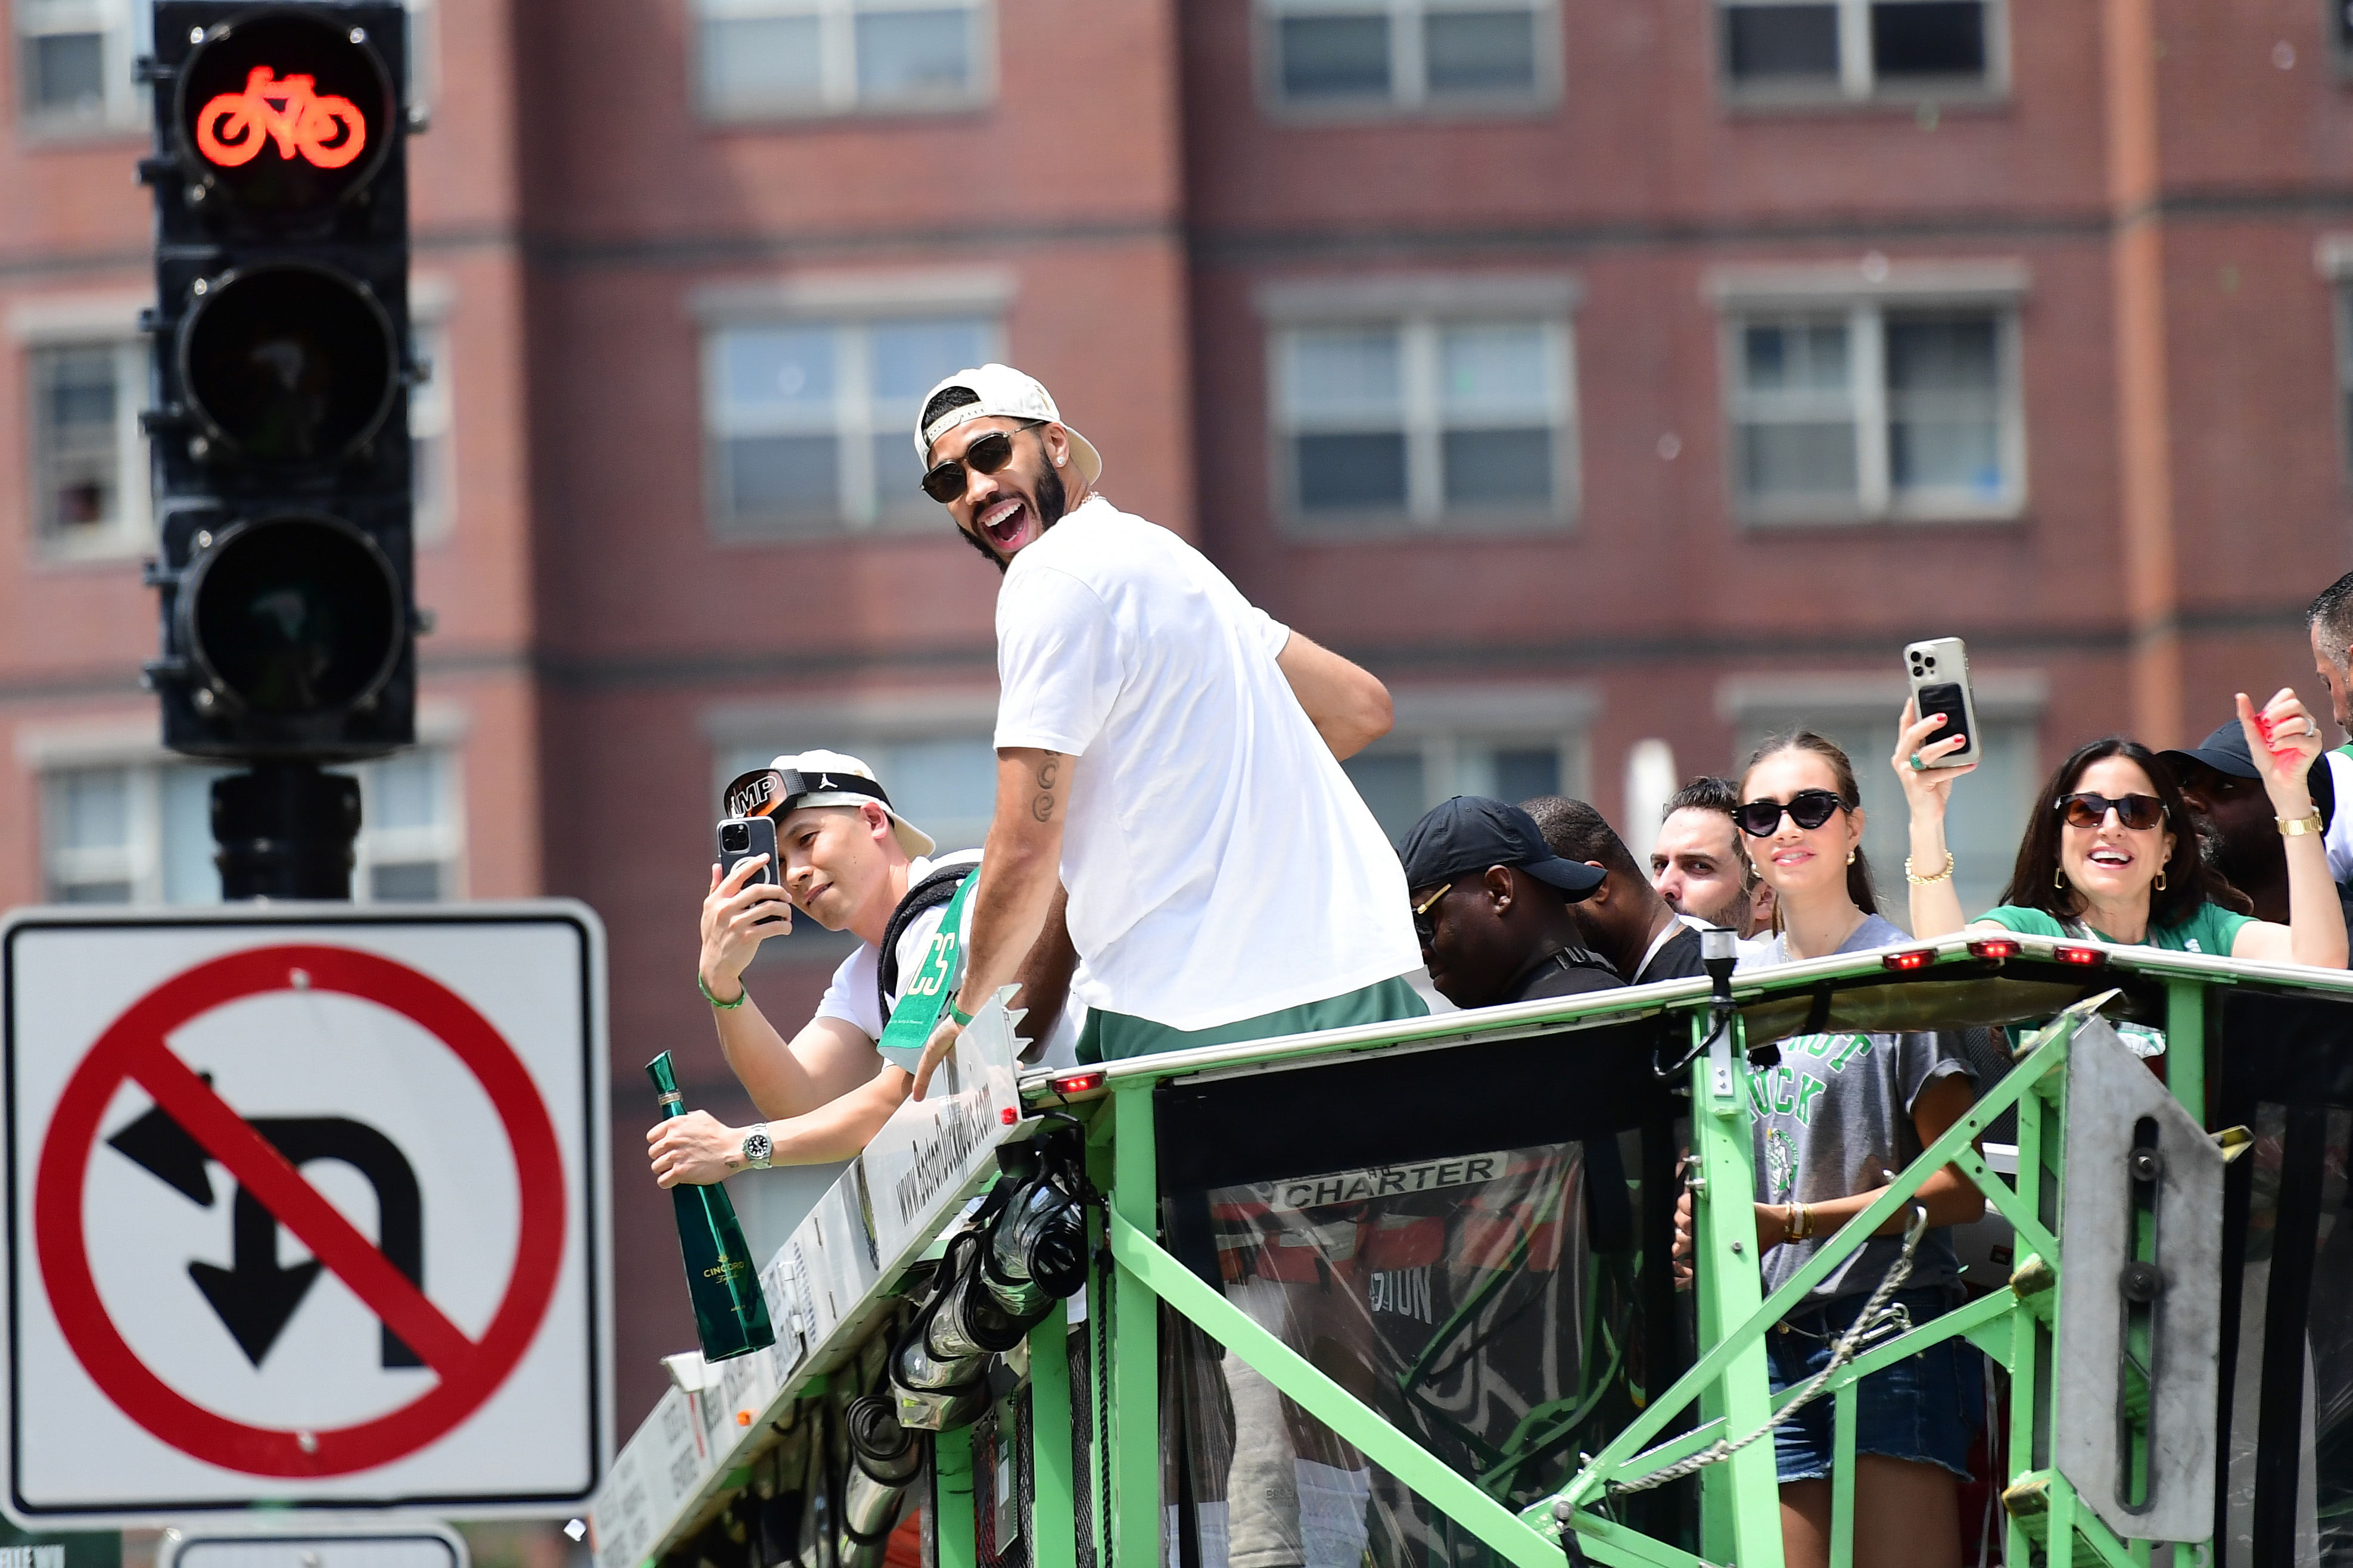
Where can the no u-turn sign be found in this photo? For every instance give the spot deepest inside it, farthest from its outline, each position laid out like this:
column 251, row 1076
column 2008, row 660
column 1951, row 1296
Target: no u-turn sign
column 305, row 1207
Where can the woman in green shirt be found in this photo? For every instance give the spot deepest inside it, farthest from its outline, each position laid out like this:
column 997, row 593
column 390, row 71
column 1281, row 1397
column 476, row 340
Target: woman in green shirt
column 2110, row 852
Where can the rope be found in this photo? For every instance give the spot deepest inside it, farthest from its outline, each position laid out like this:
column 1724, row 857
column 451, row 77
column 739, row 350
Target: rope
column 1875, row 1318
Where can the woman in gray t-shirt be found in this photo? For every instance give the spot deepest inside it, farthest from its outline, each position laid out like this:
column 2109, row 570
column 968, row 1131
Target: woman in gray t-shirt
column 1839, row 1114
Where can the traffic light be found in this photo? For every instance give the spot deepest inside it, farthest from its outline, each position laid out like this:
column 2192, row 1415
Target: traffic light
column 282, row 374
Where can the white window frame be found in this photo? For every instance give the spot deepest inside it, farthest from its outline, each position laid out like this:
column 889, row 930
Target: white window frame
column 127, row 29
column 423, row 55
column 838, row 93
column 1419, row 307
column 129, row 744
column 432, row 406
column 1437, row 723
column 850, row 304
column 1860, row 296
column 1856, row 82
column 2332, row 258
column 1409, row 91
column 44, row 328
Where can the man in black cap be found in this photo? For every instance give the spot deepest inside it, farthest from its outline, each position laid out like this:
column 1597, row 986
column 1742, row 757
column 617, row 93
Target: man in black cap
column 2237, row 832
column 1491, row 906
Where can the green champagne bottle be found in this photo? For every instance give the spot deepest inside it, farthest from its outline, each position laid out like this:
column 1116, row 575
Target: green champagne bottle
column 731, row 1314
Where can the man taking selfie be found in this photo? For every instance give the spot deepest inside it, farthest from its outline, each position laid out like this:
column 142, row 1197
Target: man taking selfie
column 850, row 862
column 1167, row 751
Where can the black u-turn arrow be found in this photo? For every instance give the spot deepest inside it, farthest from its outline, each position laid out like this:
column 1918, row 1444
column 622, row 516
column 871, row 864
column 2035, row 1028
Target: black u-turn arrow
column 255, row 1297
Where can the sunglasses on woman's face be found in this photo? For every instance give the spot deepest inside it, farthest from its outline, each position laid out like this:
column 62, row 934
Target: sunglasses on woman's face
column 2140, row 811
column 1808, row 808
column 945, row 481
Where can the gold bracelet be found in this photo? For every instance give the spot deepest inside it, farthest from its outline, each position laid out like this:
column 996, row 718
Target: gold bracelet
column 1944, row 876
column 2297, row 827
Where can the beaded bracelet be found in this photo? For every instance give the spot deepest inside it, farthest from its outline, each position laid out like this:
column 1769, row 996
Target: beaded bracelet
column 1919, row 882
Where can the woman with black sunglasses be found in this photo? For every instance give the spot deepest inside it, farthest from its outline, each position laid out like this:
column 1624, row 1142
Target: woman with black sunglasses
column 2110, row 852
column 1838, row 1110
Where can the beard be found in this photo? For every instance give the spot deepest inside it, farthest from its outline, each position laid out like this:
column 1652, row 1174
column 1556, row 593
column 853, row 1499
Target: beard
column 1050, row 501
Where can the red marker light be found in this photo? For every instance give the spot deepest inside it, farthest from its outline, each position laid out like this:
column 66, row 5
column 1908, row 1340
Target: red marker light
column 2067, row 954
column 1916, row 958
column 743, row 1418
column 1994, row 947
column 1079, row 1083
column 328, row 132
column 1008, row 1116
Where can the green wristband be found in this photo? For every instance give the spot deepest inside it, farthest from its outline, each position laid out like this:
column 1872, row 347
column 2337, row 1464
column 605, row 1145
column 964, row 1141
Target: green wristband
column 742, row 997
column 959, row 1015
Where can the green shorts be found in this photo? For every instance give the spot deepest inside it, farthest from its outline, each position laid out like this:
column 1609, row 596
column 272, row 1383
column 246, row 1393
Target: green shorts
column 1113, row 1036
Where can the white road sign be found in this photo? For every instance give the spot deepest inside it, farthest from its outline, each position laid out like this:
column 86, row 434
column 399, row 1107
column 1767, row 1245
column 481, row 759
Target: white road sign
column 307, row 1205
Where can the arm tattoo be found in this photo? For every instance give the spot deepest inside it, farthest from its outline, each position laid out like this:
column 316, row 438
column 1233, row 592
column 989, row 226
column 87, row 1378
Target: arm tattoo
column 1042, row 808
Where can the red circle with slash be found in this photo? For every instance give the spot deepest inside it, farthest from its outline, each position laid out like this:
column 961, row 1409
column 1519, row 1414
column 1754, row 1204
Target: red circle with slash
column 133, row 1050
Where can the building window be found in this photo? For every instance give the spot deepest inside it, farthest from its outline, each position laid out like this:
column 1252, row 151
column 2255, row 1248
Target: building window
column 1860, row 49
column 1498, row 741
column 141, row 832
column 812, row 423
column 90, row 460
column 1427, row 422
column 433, row 487
column 770, row 59
column 1874, row 411
column 73, row 64
column 1410, row 54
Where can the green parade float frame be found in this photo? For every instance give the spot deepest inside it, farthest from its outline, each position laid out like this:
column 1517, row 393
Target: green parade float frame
column 1112, row 1490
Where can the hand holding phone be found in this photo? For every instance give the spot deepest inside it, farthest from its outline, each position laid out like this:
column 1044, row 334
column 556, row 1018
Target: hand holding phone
column 743, row 839
column 1939, row 673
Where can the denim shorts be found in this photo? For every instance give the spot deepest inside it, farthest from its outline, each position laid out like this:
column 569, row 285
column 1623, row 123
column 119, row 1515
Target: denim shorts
column 1925, row 1409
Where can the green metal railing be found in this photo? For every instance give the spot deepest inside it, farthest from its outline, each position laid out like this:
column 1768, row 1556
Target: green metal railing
column 1099, row 1442
column 1727, row 1385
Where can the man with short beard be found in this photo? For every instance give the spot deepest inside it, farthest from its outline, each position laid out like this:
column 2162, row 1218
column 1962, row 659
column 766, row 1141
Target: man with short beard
column 1173, row 754
column 2238, row 834
column 1696, row 864
column 1167, row 748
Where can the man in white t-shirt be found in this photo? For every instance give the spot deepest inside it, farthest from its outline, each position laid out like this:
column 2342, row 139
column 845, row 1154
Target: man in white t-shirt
column 850, row 863
column 1169, row 752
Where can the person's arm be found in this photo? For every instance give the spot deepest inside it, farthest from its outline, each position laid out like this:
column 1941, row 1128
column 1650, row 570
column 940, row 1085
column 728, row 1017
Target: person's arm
column 2315, row 932
column 1020, row 873
column 1928, row 792
column 1349, row 708
column 826, row 1060
column 1949, row 1196
column 1044, row 974
column 699, row 1148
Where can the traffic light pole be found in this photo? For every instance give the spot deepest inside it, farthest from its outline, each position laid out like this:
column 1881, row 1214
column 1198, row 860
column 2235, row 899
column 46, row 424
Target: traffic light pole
column 285, row 831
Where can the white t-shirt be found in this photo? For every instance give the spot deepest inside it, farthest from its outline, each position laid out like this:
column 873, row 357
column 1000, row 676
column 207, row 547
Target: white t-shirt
column 2339, row 837
column 851, row 995
column 1219, row 863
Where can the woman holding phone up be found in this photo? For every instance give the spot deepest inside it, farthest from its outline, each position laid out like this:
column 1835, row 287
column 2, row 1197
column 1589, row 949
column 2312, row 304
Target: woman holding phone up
column 2110, row 852
column 1834, row 1120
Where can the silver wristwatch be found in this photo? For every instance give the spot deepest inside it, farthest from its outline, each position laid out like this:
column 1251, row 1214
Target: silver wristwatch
column 758, row 1147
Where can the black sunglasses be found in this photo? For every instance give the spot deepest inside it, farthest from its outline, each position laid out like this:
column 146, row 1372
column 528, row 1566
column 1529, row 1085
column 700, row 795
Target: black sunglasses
column 1808, row 808
column 1425, row 918
column 2087, row 809
column 945, row 481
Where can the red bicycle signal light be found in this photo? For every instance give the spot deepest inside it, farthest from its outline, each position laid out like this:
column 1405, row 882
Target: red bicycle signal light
column 286, row 113
column 233, row 127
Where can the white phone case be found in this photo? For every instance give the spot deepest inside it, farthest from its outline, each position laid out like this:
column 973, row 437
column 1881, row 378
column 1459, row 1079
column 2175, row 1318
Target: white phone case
column 1941, row 661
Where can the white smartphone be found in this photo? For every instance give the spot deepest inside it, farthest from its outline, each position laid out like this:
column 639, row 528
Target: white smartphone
column 1939, row 673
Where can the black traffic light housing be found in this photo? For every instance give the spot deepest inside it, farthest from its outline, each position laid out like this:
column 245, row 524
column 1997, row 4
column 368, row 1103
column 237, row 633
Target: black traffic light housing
column 280, row 430
column 280, row 425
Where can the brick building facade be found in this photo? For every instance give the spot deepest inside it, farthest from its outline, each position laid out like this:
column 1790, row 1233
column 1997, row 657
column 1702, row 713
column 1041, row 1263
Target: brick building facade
column 1618, row 381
